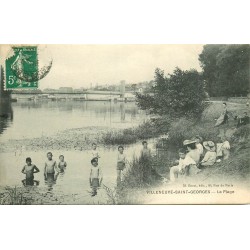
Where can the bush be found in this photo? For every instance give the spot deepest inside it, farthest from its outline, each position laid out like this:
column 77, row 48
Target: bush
column 179, row 94
column 119, row 137
column 12, row 196
column 242, row 133
column 146, row 130
column 184, row 129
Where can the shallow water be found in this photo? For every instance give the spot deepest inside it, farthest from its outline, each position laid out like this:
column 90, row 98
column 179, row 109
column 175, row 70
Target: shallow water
column 75, row 179
column 29, row 119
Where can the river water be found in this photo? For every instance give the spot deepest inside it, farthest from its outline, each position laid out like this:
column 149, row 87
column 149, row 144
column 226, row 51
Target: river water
column 30, row 119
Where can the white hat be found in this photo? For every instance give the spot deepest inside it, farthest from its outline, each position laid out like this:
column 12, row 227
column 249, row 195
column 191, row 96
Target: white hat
column 209, row 145
column 188, row 142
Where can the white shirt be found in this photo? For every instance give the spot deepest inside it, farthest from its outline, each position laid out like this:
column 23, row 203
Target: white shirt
column 209, row 158
column 96, row 172
column 225, row 145
column 185, row 162
column 195, row 155
column 222, row 146
column 200, row 148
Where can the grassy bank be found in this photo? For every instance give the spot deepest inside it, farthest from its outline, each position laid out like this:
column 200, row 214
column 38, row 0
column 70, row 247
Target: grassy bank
column 146, row 130
column 138, row 175
column 178, row 130
column 236, row 168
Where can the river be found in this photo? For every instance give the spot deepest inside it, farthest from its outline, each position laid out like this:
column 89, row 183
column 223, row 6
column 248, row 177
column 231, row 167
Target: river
column 31, row 119
column 34, row 119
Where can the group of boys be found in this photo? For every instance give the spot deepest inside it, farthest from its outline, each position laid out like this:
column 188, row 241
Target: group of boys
column 50, row 168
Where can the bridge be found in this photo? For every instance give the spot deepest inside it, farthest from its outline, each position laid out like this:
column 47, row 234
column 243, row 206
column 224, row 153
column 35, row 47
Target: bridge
column 85, row 95
column 87, row 92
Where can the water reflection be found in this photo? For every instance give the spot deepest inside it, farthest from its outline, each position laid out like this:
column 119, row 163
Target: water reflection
column 123, row 114
column 6, row 115
column 30, row 182
column 50, row 180
column 98, row 107
column 65, row 115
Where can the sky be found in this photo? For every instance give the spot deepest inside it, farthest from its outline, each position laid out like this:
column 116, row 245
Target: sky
column 80, row 65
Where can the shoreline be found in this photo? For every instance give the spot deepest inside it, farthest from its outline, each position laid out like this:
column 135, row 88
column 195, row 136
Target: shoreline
column 69, row 139
column 19, row 195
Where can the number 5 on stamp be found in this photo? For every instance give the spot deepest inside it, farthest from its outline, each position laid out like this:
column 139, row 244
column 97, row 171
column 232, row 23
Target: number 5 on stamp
column 22, row 68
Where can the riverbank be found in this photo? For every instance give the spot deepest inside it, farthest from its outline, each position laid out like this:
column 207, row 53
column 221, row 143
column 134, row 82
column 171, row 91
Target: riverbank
column 226, row 182
column 70, row 139
column 234, row 172
column 41, row 196
column 81, row 139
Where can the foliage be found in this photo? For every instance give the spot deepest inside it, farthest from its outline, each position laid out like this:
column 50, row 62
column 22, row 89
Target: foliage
column 184, row 129
column 226, row 69
column 12, row 197
column 111, row 193
column 123, row 137
column 180, row 94
column 3, row 93
column 138, row 175
column 242, row 133
column 144, row 131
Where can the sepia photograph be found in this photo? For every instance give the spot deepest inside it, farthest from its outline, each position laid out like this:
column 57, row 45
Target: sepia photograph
column 124, row 124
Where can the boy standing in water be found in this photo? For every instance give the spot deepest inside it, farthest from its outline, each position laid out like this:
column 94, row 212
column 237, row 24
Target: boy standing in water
column 121, row 160
column 29, row 169
column 50, row 166
column 95, row 178
column 62, row 164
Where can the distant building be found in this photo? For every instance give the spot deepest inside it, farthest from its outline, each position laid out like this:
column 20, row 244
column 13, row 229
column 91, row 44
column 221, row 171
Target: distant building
column 27, row 91
column 48, row 90
column 65, row 90
column 77, row 90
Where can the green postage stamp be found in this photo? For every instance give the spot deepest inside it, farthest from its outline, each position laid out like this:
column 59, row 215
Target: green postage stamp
column 107, row 126
column 22, row 68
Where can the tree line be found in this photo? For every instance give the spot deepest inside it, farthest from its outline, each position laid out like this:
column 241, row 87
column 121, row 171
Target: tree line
column 225, row 72
column 226, row 69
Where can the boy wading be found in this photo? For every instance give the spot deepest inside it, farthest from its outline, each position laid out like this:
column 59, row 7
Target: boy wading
column 29, row 169
column 95, row 178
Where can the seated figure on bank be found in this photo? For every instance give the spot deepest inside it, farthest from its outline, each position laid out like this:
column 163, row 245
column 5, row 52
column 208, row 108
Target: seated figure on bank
column 185, row 166
column 210, row 156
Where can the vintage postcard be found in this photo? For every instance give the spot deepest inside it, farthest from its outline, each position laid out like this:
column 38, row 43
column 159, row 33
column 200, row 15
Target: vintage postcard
column 124, row 124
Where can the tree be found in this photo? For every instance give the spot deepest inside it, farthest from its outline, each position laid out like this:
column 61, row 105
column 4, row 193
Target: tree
column 210, row 71
column 226, row 69
column 180, row 94
column 233, row 69
column 3, row 93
